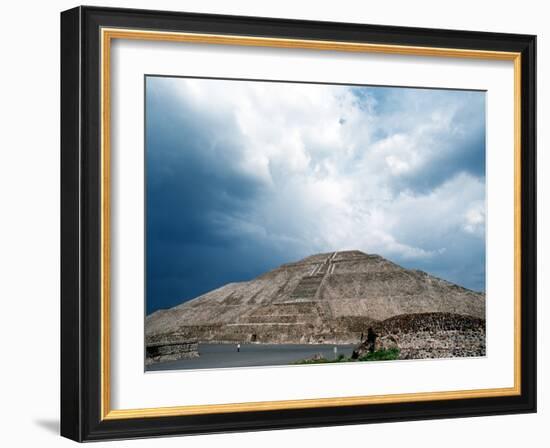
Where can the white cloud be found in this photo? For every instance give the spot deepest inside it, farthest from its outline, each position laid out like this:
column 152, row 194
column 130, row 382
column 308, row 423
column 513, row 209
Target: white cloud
column 474, row 219
column 340, row 172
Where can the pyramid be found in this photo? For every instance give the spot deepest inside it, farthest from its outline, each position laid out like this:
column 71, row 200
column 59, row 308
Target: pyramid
column 325, row 298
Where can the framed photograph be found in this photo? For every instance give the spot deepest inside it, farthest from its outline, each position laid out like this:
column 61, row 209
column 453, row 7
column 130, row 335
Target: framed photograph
column 273, row 223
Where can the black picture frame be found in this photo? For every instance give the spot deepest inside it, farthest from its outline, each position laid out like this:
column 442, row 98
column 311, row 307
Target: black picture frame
column 81, row 381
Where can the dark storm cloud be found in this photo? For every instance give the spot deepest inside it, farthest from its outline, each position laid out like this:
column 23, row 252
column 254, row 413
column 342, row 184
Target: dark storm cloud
column 191, row 179
column 399, row 172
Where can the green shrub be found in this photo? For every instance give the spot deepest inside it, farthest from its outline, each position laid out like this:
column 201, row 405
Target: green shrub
column 380, row 355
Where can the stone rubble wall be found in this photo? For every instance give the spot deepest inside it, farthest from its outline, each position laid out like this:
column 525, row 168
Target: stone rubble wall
column 435, row 344
column 442, row 344
column 433, row 335
column 170, row 351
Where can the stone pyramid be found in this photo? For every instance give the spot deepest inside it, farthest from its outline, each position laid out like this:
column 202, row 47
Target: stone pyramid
column 325, row 298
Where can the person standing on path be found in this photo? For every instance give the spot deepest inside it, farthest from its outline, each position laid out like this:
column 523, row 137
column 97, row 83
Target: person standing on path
column 238, row 347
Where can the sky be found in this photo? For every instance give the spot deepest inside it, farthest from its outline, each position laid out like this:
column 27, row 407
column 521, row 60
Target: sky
column 243, row 176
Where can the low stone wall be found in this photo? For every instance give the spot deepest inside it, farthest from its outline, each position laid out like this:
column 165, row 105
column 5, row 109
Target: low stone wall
column 170, row 351
column 433, row 335
column 441, row 344
column 417, row 336
column 418, row 322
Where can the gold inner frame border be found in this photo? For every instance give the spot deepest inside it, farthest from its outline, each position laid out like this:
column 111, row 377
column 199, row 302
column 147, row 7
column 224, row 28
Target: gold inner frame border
column 107, row 35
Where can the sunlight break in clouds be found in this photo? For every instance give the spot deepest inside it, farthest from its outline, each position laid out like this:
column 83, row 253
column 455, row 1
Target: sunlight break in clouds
column 266, row 173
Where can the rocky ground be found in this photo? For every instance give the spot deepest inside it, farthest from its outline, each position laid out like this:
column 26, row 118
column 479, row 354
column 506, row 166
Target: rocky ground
column 432, row 335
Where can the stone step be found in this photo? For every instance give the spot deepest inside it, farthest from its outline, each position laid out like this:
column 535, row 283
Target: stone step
column 268, row 324
column 283, row 318
column 307, row 287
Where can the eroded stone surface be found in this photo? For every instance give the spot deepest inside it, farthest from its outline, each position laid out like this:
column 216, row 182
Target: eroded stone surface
column 324, row 298
column 166, row 350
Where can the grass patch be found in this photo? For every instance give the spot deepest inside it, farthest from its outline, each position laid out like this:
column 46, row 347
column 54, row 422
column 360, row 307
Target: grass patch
column 379, row 355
